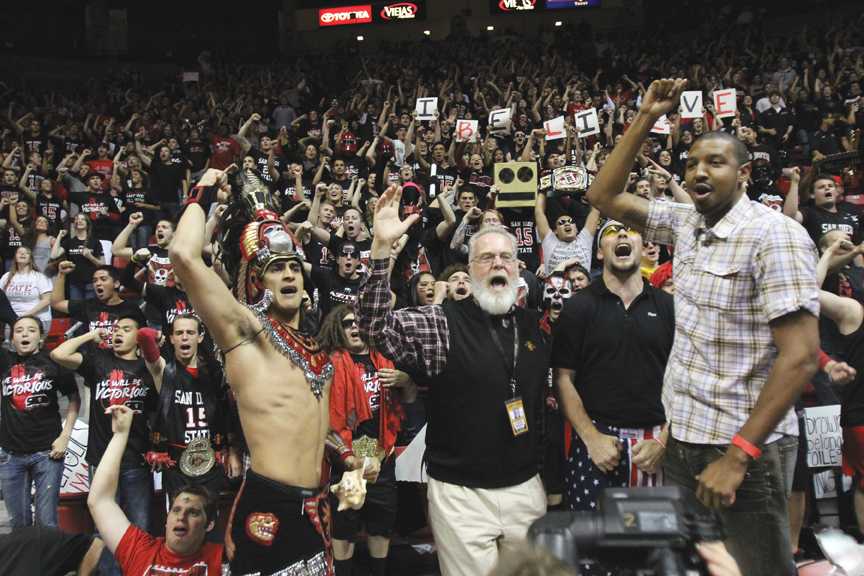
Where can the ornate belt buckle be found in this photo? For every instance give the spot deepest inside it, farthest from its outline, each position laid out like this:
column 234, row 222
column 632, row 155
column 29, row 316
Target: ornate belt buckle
column 197, row 458
column 367, row 447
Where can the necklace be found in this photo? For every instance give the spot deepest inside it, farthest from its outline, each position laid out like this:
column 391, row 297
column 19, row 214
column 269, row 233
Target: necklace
column 302, row 350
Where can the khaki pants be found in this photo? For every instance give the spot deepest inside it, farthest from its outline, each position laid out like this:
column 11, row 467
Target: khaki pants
column 471, row 525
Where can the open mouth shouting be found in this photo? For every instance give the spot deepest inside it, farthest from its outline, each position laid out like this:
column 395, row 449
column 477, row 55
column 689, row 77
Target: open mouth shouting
column 702, row 190
column 498, row 281
column 623, row 250
column 288, row 290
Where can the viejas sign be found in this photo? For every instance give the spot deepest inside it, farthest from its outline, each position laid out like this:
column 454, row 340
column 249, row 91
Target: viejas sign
column 380, row 12
column 399, row 11
column 345, row 15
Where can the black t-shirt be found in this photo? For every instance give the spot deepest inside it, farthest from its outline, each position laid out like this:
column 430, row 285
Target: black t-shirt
column 372, row 427
column 263, row 169
column 165, row 180
column 852, row 406
column 12, row 241
column 159, row 267
column 191, row 406
column 521, row 224
column 29, row 413
column 318, row 254
column 618, row 356
column 51, row 208
column 74, row 251
column 96, row 314
column 197, row 151
column 113, row 380
column 134, row 197
column 43, row 551
column 819, row 222
column 169, row 301
column 102, row 211
column 334, row 290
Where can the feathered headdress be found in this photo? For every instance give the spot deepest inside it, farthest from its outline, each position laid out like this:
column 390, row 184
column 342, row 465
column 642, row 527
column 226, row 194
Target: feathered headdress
column 252, row 238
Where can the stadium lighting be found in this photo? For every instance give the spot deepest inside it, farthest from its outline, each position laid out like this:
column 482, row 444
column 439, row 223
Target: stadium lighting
column 490, row 28
column 360, row 38
column 558, row 23
column 427, row 32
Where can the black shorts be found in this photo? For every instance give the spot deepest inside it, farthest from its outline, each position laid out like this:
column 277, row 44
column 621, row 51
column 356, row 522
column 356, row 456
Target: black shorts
column 275, row 527
column 378, row 513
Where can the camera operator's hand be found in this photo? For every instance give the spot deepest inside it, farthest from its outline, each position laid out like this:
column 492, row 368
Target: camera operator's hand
column 604, row 450
column 647, row 455
column 719, row 481
column 717, row 559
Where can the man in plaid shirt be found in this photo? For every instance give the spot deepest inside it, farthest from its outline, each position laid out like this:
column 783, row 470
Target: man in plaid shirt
column 487, row 362
column 746, row 336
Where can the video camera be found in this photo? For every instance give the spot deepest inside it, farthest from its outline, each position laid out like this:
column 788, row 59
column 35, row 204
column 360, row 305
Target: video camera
column 649, row 531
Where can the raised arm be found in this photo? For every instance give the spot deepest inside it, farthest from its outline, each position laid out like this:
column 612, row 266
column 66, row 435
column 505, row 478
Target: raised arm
column 120, row 247
column 791, row 203
column 228, row 321
column 67, row 354
column 58, row 291
column 540, row 220
column 109, row 518
column 449, row 222
column 147, row 343
column 412, row 336
column 607, row 192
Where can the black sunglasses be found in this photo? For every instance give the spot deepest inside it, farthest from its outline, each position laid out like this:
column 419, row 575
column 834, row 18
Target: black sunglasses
column 346, row 323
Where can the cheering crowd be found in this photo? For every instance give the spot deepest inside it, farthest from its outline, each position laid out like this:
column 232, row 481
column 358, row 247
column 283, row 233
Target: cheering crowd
column 275, row 277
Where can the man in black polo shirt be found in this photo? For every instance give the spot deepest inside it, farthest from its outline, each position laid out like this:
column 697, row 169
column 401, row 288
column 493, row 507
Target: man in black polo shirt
column 609, row 353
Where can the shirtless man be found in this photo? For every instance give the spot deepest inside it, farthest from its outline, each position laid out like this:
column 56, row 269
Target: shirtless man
column 279, row 377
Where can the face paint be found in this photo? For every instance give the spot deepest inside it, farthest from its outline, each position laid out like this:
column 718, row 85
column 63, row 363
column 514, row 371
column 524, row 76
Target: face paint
column 556, row 290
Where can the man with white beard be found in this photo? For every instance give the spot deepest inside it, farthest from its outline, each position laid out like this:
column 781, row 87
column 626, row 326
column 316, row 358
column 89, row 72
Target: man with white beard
column 486, row 362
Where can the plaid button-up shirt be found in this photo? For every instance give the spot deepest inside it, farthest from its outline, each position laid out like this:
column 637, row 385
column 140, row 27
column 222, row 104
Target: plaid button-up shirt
column 753, row 266
column 416, row 337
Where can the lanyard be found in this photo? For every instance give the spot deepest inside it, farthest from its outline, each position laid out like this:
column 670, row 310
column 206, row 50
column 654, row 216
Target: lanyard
column 497, row 341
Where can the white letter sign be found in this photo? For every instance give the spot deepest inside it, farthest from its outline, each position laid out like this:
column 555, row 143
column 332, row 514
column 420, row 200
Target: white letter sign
column 426, row 108
column 587, row 122
column 691, row 104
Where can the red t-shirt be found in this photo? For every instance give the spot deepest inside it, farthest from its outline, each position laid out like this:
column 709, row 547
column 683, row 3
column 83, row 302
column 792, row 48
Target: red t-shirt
column 140, row 554
column 223, row 151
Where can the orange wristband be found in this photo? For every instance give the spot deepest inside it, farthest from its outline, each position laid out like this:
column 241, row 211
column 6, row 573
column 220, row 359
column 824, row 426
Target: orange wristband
column 748, row 447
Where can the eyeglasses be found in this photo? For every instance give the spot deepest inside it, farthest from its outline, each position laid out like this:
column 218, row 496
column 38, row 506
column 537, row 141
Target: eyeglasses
column 349, row 322
column 488, row 258
column 350, row 254
column 615, row 229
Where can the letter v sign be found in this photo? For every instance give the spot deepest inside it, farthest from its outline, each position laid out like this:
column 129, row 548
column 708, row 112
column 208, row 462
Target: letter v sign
column 691, row 104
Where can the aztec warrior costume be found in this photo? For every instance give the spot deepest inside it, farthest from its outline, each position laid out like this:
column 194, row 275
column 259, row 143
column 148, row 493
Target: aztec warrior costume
column 275, row 528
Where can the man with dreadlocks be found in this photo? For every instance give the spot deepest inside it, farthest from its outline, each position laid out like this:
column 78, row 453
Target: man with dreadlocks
column 279, row 376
